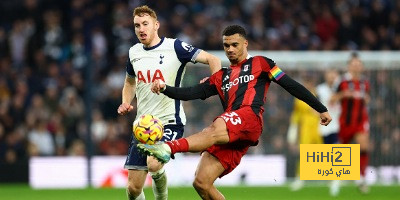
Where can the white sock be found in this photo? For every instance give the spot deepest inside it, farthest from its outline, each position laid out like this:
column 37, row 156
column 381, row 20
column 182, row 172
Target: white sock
column 140, row 197
column 334, row 188
column 159, row 186
column 297, row 184
column 158, row 173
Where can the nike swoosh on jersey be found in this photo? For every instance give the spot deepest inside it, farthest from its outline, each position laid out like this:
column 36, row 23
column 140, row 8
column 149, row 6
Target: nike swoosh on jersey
column 136, row 59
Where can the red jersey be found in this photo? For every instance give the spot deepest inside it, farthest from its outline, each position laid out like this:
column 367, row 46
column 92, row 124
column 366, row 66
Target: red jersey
column 246, row 84
column 354, row 111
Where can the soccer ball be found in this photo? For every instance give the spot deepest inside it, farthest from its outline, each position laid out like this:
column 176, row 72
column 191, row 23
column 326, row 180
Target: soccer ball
column 148, row 129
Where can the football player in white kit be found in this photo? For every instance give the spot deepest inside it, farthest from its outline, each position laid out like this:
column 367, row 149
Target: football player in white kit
column 155, row 58
column 324, row 92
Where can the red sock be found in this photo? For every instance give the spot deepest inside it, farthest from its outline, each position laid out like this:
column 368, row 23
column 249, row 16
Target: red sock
column 180, row 145
column 363, row 162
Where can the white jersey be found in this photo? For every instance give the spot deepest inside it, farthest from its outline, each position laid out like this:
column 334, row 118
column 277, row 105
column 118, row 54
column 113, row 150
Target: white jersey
column 165, row 61
column 324, row 93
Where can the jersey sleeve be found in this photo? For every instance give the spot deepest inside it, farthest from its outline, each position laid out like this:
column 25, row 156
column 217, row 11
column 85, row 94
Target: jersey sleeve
column 273, row 71
column 129, row 69
column 216, row 78
column 300, row 92
column 186, row 52
column 199, row 91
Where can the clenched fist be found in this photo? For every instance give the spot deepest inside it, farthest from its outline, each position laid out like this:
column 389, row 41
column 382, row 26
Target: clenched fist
column 325, row 118
column 124, row 108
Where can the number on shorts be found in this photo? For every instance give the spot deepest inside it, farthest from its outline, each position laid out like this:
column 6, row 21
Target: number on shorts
column 233, row 117
column 171, row 135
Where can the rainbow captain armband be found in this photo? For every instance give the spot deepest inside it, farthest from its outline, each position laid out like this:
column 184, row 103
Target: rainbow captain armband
column 275, row 73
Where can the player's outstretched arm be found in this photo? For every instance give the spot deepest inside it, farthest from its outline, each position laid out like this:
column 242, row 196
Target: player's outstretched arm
column 199, row 91
column 213, row 61
column 300, row 92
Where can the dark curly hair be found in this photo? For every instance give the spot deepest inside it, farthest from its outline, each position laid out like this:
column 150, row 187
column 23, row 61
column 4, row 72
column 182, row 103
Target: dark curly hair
column 233, row 29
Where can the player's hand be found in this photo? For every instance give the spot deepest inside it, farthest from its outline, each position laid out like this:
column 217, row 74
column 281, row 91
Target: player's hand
column 124, row 108
column 325, row 118
column 158, row 86
column 204, row 80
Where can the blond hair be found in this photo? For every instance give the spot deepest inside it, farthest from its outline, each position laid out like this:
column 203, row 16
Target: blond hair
column 142, row 10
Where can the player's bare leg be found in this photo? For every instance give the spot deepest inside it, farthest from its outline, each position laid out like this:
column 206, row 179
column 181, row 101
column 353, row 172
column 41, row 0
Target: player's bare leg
column 136, row 180
column 216, row 133
column 208, row 170
column 159, row 176
column 363, row 140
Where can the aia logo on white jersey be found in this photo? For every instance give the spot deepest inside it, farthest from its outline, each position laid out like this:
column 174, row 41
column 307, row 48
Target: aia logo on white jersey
column 149, row 77
column 187, row 47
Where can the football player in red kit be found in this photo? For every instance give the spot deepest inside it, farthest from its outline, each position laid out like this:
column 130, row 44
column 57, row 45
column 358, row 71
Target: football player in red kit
column 352, row 92
column 242, row 88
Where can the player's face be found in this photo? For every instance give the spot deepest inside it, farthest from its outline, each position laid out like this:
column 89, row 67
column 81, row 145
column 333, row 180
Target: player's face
column 356, row 66
column 146, row 28
column 330, row 76
column 235, row 47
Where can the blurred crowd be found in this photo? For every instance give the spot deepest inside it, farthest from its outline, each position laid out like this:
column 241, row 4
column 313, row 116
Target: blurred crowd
column 52, row 53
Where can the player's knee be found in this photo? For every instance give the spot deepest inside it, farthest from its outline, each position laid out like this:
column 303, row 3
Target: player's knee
column 210, row 131
column 216, row 134
column 200, row 185
column 134, row 189
column 153, row 165
column 213, row 133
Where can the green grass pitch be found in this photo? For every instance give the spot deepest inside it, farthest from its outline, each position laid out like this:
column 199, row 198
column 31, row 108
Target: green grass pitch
column 18, row 192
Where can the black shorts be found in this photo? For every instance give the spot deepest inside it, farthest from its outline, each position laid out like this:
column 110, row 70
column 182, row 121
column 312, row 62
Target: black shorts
column 138, row 160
